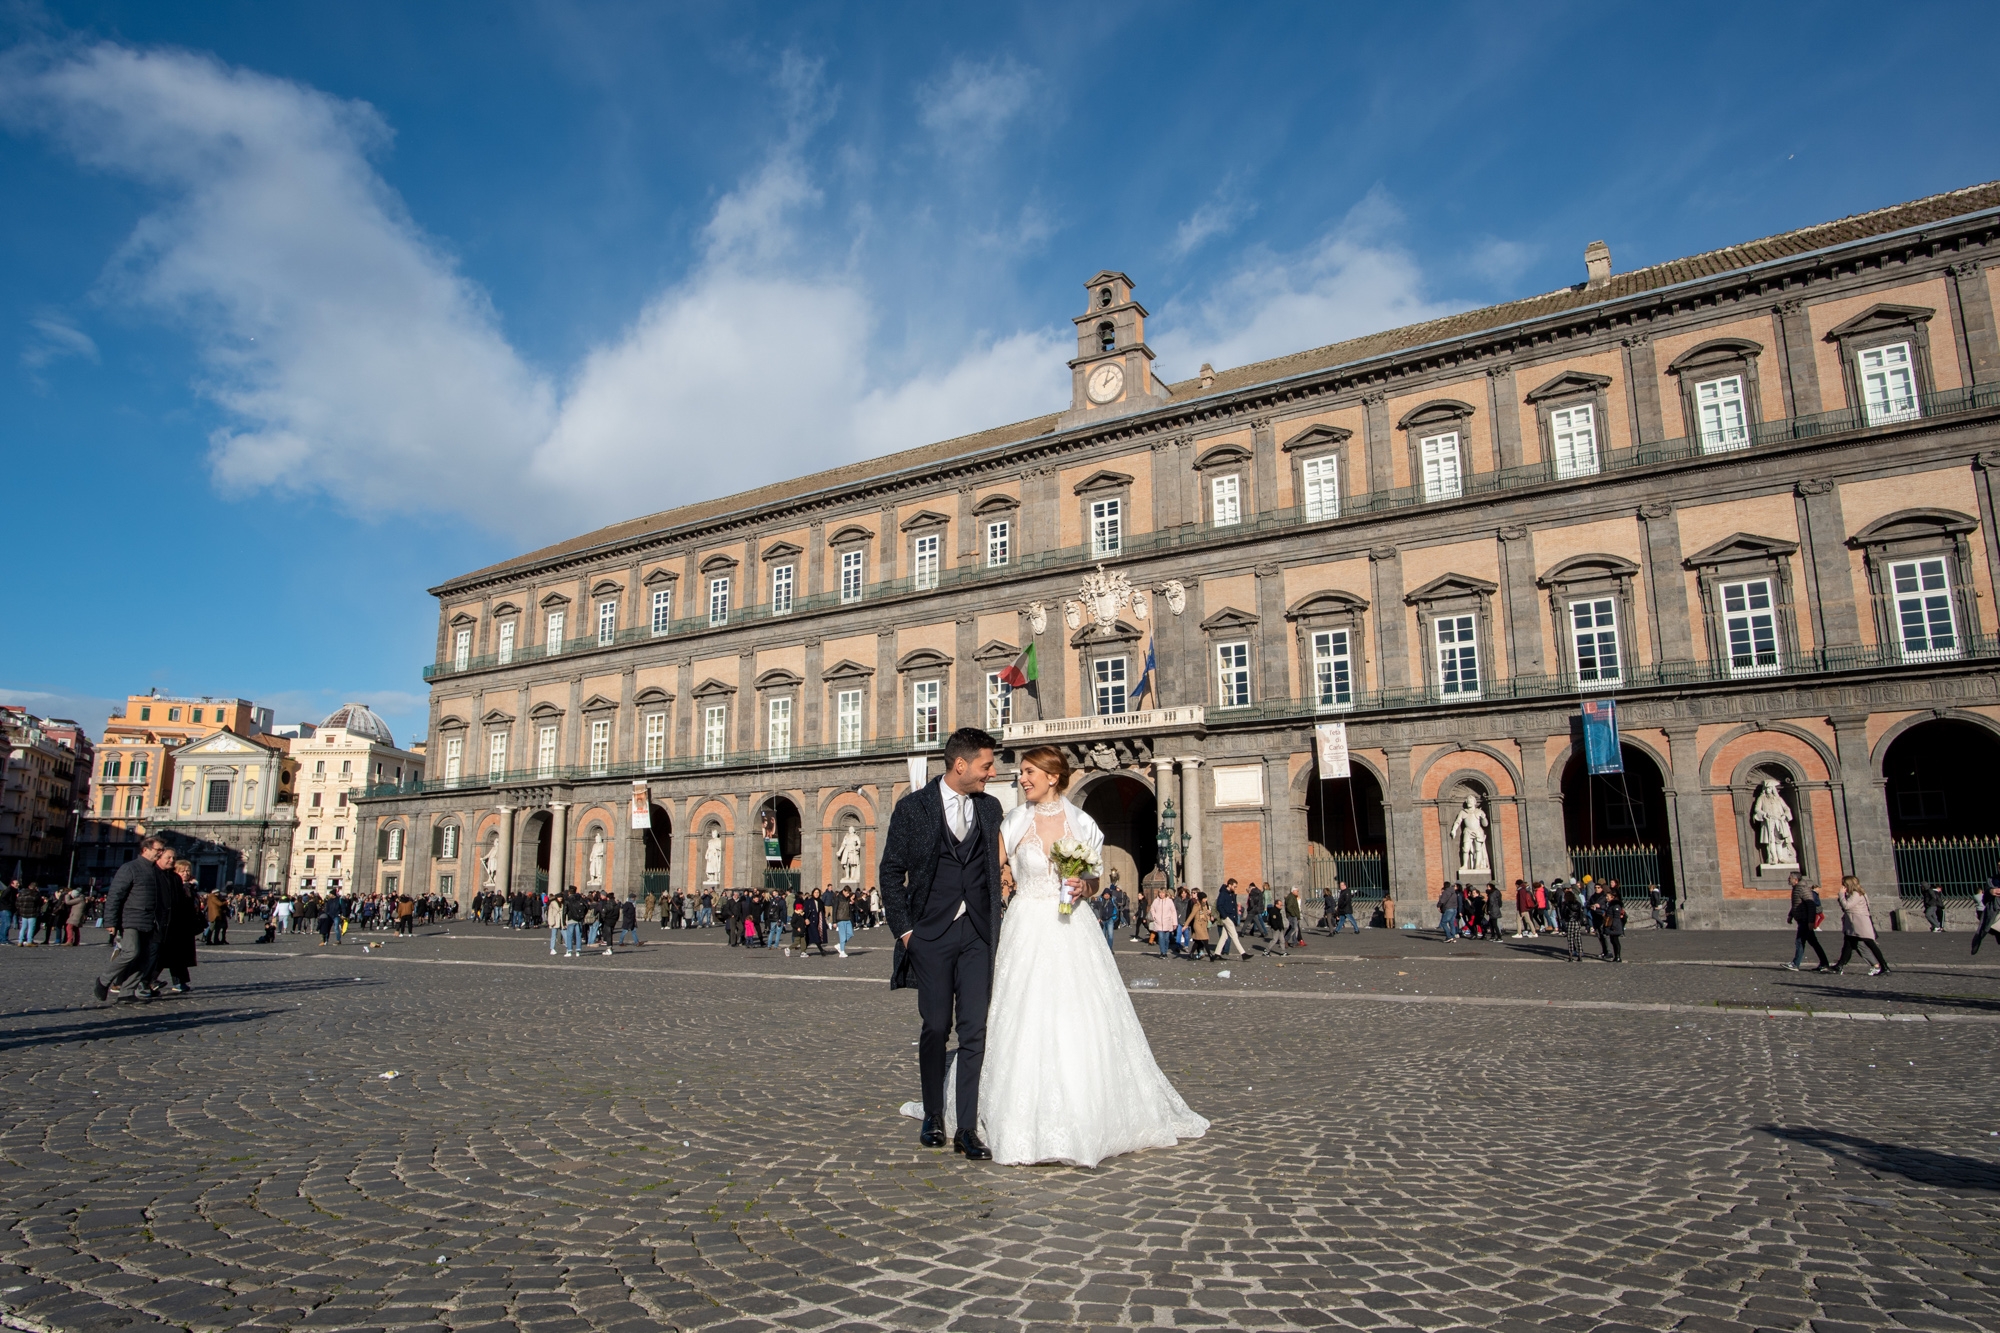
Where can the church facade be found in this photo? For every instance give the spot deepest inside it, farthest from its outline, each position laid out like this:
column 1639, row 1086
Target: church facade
column 1746, row 499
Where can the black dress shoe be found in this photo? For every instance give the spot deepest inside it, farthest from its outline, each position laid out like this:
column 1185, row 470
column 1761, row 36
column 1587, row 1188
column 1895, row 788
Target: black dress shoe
column 968, row 1143
column 933, row 1134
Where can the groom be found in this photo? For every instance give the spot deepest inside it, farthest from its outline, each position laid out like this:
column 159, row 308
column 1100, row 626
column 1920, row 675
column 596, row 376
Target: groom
column 941, row 889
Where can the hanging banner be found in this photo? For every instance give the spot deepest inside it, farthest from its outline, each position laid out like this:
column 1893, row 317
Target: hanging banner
column 1333, row 750
column 920, row 771
column 773, row 853
column 1601, row 752
column 642, row 806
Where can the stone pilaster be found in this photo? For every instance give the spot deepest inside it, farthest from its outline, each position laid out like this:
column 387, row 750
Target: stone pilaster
column 1829, row 582
column 1193, row 800
column 1503, row 400
column 1666, row 589
column 1520, row 608
column 1543, row 850
column 1697, row 869
column 1379, row 442
column 1864, row 803
column 1642, row 376
column 1409, row 881
column 1800, row 370
column 1274, row 681
column 1264, row 464
column 1392, row 656
column 1979, row 344
column 559, row 849
column 812, row 707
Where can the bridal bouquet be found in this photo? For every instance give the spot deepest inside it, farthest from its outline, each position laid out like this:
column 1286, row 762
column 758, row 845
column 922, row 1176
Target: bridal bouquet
column 1073, row 860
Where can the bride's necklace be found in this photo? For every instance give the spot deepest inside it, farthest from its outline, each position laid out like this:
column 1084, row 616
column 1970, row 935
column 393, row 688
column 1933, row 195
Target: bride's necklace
column 1053, row 807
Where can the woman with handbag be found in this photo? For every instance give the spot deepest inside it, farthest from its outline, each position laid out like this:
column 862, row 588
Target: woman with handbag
column 1806, row 915
column 1857, row 927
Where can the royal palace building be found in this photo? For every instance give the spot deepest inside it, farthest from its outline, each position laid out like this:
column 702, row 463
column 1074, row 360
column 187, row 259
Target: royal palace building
column 1747, row 498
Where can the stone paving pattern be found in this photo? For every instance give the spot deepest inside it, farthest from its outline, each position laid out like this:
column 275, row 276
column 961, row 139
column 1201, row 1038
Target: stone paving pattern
column 687, row 1136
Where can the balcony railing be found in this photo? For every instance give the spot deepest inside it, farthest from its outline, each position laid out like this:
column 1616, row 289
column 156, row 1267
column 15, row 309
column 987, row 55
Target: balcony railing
column 1473, row 487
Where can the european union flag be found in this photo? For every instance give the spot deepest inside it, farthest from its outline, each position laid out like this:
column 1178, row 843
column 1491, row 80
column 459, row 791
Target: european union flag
column 1145, row 681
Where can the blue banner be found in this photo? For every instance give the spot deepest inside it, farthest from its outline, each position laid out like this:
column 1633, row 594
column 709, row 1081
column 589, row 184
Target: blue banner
column 1600, row 737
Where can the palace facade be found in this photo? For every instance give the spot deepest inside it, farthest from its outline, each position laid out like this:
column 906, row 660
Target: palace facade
column 1748, row 496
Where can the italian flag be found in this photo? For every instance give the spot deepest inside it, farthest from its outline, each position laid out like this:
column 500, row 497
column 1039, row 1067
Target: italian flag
column 1020, row 673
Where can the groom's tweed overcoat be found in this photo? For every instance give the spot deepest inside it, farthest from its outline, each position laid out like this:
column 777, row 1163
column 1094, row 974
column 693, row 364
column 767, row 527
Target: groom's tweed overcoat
column 909, row 863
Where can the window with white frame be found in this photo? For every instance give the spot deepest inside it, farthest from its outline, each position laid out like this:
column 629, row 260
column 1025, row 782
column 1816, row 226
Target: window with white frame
column 1321, row 480
column 778, row 728
column 1749, row 626
column 1107, row 527
column 1225, row 501
column 448, row 843
column 999, row 702
column 852, row 565
column 1593, row 628
column 545, row 752
column 1232, row 678
column 394, row 851
column 656, row 740
column 555, row 638
column 924, row 561
column 1111, row 688
column 1926, row 625
column 999, row 542
column 1724, row 414
column 718, row 600
column 663, row 610
column 607, row 623
column 461, row 650
column 1888, row 383
column 496, row 755
column 1333, row 669
column 600, row 747
column 924, row 695
column 454, row 758
column 714, row 733
column 847, row 712
column 1438, row 456
column 506, row 642
column 1457, row 656
column 131, row 807
column 781, row 589
column 1573, row 435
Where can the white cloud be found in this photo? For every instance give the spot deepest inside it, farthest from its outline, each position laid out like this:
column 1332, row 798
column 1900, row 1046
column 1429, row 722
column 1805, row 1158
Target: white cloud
column 1218, row 217
column 971, row 104
column 55, row 338
column 87, row 710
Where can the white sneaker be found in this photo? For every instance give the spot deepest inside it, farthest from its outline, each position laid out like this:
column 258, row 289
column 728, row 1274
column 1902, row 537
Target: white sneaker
column 552, row 953
column 607, row 953
column 841, row 950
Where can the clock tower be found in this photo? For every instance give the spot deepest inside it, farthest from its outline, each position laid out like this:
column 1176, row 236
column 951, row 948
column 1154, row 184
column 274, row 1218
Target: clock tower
column 1113, row 372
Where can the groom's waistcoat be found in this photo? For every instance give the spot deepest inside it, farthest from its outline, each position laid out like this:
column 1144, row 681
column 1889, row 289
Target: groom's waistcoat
column 960, row 878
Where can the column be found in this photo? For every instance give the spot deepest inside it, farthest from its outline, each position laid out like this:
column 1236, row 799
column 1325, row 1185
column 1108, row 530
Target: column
column 1801, row 373
column 1520, row 605
column 1409, row 880
column 1697, row 872
column 1273, row 668
column 1864, row 803
column 1642, row 375
column 1666, row 588
column 1264, row 465
column 1829, row 575
column 558, row 846
column 503, row 876
column 1378, row 443
column 1191, row 803
column 1503, row 402
column 1542, row 844
column 1392, row 659
column 1164, row 792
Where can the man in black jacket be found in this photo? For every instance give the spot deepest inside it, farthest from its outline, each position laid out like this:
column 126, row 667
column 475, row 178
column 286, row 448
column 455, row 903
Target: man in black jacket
column 135, row 908
column 940, row 877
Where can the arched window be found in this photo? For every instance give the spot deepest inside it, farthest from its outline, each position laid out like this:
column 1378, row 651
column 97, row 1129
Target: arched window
column 1107, row 337
column 1103, row 297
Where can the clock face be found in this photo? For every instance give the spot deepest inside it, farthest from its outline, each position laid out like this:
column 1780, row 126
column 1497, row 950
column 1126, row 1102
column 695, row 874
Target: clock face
column 1105, row 382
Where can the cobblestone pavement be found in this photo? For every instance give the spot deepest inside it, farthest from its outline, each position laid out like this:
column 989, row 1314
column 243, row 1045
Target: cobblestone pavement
column 1407, row 1135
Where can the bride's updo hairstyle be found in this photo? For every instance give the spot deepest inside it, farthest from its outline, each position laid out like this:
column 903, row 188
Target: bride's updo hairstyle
column 1050, row 760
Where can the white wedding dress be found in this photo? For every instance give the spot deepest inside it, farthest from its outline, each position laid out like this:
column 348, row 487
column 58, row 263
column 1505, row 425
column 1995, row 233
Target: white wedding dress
column 1069, row 1076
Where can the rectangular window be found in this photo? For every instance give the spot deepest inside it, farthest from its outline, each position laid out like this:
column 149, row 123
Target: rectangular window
column 218, row 796
column 445, row 883
column 1438, row 455
column 1925, row 622
column 848, row 711
column 197, row 716
column 600, row 748
column 131, row 807
column 850, row 575
column 1750, row 624
column 111, row 768
column 174, row 714
column 778, row 729
column 1573, row 432
column 1107, row 527
column 448, row 843
column 1724, row 415
column 1593, row 627
column 461, row 651
column 715, row 733
column 924, row 701
column 718, row 600
column 554, row 643
column 496, row 757
column 545, row 753
column 316, row 799
column 607, row 624
column 454, row 758
column 145, row 715
column 1225, row 501
column 1888, row 384
column 1232, row 681
column 663, row 610
column 999, row 543
column 140, row 767
column 1333, row 669
column 656, row 740
column 1111, row 695
column 1321, row 478
column 310, row 858
column 781, row 590
column 999, row 702
column 108, row 798
column 1458, row 657
column 506, row 642
column 924, row 562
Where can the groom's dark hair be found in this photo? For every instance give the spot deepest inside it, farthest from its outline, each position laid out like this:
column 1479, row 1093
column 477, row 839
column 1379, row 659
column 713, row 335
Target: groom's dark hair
column 966, row 743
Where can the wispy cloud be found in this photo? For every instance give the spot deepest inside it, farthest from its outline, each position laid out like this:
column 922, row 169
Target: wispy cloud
column 55, row 337
column 972, row 104
column 87, row 710
column 1218, row 217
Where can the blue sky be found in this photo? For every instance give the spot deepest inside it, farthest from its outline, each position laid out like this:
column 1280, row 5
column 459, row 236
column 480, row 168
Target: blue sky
column 305, row 308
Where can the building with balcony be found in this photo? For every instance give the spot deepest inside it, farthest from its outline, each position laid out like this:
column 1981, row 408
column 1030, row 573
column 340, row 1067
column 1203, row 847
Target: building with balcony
column 45, row 766
column 1746, row 496
column 352, row 749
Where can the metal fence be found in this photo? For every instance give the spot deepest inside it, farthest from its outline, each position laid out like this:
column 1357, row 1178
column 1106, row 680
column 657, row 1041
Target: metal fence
column 1365, row 872
column 656, row 883
column 1634, row 867
column 1959, row 866
column 787, row 880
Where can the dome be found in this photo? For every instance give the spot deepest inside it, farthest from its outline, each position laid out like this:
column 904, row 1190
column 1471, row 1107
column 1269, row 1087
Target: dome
column 360, row 720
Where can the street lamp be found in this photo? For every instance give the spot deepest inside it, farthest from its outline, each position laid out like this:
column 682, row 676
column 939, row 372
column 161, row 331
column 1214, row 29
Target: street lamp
column 1166, row 842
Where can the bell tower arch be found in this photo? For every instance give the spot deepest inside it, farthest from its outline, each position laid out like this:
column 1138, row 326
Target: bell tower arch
column 1112, row 374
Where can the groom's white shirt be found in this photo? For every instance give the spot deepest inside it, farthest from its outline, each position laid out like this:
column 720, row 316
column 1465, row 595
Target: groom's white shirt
column 958, row 817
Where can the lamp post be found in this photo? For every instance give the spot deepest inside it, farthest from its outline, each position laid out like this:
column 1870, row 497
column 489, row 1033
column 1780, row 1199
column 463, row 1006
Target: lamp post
column 1166, row 842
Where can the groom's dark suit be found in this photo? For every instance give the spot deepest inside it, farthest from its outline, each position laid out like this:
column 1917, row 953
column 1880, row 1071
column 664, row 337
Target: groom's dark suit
column 926, row 874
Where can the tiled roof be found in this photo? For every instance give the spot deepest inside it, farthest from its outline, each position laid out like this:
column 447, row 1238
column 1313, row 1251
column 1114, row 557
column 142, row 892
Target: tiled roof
column 1805, row 240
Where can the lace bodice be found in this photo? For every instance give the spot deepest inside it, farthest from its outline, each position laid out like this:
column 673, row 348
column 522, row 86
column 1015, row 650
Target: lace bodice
column 1035, row 877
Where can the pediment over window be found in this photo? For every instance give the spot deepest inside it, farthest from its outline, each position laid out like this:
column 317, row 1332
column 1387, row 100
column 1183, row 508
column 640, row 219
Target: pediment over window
column 1446, row 586
column 451, row 722
column 554, row 600
column 494, row 717
column 1331, row 602
column 464, row 618
column 505, row 609
column 996, row 504
column 1912, row 525
column 923, row 518
column 846, row 670
column 719, row 564
column 783, row 551
column 1584, row 568
column 1879, row 318
column 922, row 659
column 1104, row 479
column 1230, row 618
column 778, row 678
column 994, row 651
column 713, row 689
column 653, row 694
column 545, row 712
column 597, row 703
column 1569, row 384
column 1739, row 546
column 1714, row 352
column 1223, row 455
column 662, row 576
column 1122, row 632
column 1437, row 412
column 850, row 535
column 1313, row 437
column 606, row 588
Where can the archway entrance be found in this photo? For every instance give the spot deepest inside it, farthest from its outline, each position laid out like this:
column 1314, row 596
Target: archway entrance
column 779, row 843
column 1943, row 778
column 655, row 876
column 1615, row 826
column 533, row 853
column 1346, row 835
column 1124, row 809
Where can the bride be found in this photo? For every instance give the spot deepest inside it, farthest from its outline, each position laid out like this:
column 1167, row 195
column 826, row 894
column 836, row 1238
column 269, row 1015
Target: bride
column 1069, row 1076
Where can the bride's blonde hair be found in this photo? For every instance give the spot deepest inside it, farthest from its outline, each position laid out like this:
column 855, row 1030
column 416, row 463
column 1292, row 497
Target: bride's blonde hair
column 1050, row 760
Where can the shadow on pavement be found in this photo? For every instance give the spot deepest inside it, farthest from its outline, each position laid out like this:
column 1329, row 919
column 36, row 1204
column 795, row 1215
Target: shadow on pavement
column 133, row 1023
column 1833, row 990
column 1922, row 1165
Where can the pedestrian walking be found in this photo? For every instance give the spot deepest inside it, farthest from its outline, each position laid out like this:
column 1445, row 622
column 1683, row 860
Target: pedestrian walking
column 1806, row 915
column 1575, row 917
column 628, row 922
column 1165, row 920
column 1933, row 897
column 1985, row 917
column 1199, row 917
column 1447, row 905
column 1613, row 927
column 185, row 917
column 133, row 913
column 1343, row 909
column 1857, row 927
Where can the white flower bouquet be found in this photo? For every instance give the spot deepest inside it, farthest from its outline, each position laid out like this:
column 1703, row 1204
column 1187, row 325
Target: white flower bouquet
column 1073, row 860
